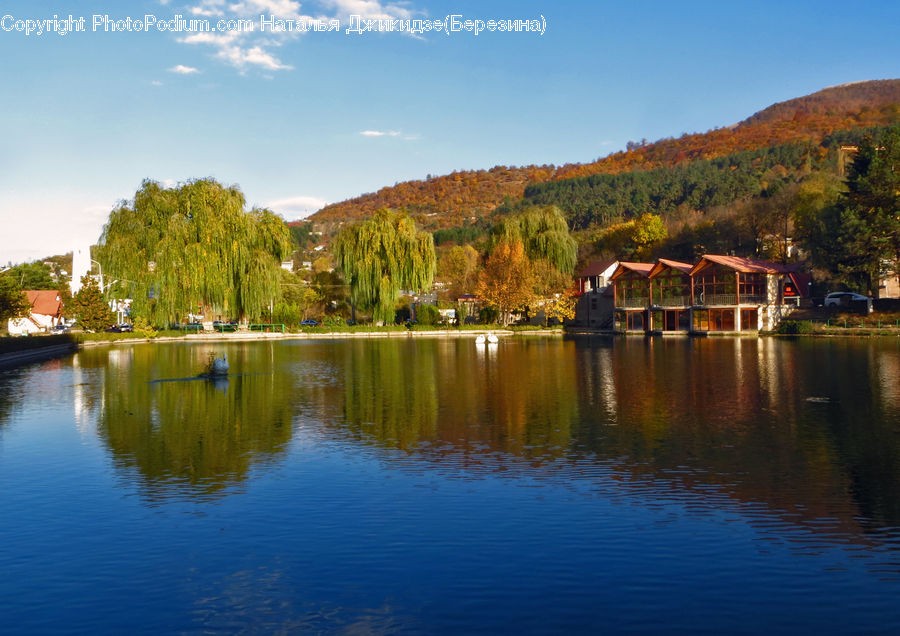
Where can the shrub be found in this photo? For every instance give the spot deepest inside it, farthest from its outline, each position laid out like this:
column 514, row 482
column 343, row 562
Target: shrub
column 488, row 316
column 144, row 328
column 288, row 314
column 427, row 314
column 794, row 327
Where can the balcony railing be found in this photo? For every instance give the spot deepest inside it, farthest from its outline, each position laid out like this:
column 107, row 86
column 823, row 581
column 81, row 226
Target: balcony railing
column 712, row 300
column 633, row 302
column 672, row 301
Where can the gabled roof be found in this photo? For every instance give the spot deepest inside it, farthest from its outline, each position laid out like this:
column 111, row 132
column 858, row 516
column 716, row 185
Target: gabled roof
column 595, row 268
column 801, row 282
column 743, row 265
column 44, row 301
column 663, row 263
column 641, row 268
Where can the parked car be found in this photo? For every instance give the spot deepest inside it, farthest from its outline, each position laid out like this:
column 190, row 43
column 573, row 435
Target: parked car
column 120, row 328
column 60, row 328
column 309, row 322
column 846, row 299
column 842, row 298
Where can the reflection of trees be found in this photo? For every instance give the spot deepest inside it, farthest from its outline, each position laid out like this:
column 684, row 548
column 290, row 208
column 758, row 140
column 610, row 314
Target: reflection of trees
column 728, row 416
column 390, row 391
column 195, row 433
column 735, row 414
column 10, row 394
column 457, row 396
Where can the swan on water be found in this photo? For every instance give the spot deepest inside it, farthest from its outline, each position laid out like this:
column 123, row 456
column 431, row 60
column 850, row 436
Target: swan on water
column 219, row 366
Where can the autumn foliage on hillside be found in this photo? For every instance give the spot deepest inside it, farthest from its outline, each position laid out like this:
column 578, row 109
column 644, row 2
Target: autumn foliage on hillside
column 453, row 200
column 439, row 202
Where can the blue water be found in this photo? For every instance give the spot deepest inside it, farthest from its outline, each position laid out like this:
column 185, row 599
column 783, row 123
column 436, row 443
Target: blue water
column 431, row 486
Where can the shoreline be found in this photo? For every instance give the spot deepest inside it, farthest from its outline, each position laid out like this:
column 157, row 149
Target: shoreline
column 39, row 354
column 332, row 335
column 18, row 358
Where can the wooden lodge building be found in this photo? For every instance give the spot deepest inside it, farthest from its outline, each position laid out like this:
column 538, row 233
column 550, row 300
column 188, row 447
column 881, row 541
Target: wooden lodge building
column 718, row 294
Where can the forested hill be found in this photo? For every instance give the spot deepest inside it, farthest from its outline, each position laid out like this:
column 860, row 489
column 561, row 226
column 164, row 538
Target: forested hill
column 453, row 200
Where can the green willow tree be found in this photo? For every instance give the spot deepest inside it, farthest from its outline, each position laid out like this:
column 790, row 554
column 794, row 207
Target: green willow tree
column 548, row 247
column 544, row 234
column 380, row 257
column 177, row 250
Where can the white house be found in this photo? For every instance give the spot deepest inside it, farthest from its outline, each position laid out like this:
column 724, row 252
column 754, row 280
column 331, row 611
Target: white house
column 46, row 313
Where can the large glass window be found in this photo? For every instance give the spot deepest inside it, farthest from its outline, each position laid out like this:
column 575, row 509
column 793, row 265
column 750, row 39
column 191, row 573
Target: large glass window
column 671, row 289
column 715, row 286
column 632, row 290
column 752, row 288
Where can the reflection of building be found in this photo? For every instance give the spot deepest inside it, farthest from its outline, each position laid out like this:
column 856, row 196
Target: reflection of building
column 46, row 313
column 719, row 293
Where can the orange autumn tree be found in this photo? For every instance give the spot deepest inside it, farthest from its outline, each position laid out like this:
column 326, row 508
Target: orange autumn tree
column 507, row 280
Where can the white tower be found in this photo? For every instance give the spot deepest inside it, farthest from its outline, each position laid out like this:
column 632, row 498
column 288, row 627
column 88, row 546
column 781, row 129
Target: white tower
column 81, row 265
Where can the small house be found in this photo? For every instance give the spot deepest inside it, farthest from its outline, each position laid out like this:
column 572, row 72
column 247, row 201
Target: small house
column 45, row 313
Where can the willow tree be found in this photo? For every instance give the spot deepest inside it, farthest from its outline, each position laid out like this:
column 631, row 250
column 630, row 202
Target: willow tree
column 177, row 250
column 544, row 234
column 380, row 257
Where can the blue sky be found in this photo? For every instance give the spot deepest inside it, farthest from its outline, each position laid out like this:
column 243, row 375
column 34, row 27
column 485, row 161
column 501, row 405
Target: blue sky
column 297, row 120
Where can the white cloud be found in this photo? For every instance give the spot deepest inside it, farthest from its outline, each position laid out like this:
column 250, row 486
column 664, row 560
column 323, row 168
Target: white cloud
column 181, row 69
column 388, row 133
column 156, row 83
column 216, row 39
column 296, row 207
column 280, row 8
column 240, row 58
column 369, row 9
column 208, row 8
column 380, row 133
column 244, row 50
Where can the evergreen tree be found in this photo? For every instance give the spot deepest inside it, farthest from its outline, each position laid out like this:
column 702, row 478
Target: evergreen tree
column 90, row 309
column 857, row 237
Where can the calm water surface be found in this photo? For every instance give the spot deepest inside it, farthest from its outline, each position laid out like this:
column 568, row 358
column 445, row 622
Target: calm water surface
column 435, row 486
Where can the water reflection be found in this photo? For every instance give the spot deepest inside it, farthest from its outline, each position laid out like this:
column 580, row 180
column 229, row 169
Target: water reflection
column 808, row 429
column 185, row 435
column 451, row 396
column 731, row 415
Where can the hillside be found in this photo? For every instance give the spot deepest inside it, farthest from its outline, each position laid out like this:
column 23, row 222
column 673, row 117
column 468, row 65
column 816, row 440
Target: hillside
column 464, row 197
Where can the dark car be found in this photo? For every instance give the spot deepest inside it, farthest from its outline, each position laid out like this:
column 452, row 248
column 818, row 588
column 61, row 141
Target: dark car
column 309, row 322
column 120, row 328
column 60, row 328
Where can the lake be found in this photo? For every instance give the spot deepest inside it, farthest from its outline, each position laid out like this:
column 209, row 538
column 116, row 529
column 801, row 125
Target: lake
column 416, row 485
